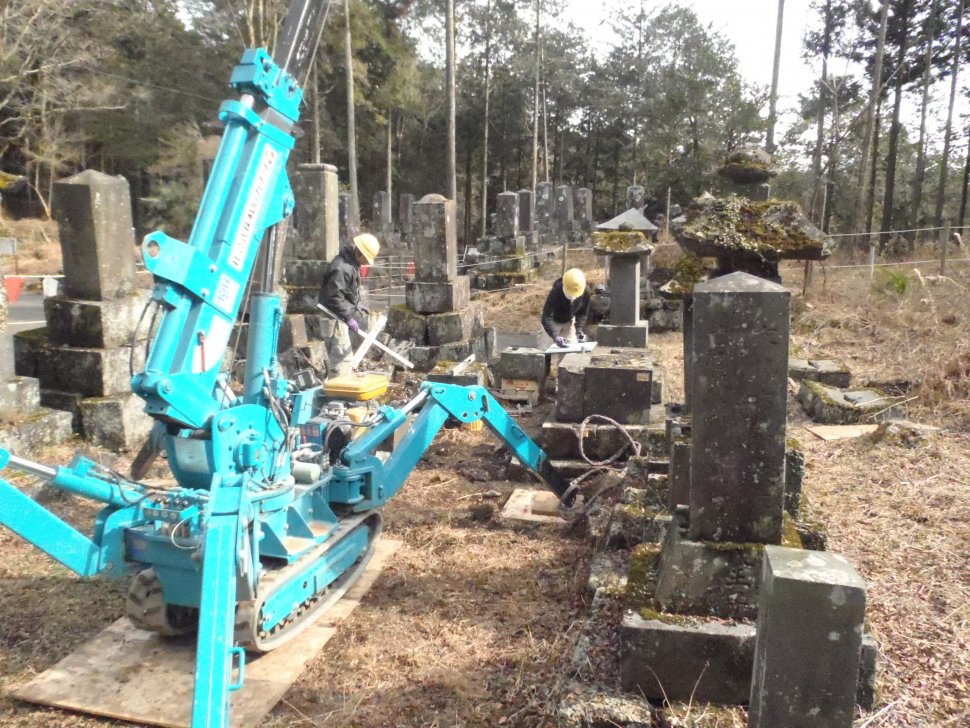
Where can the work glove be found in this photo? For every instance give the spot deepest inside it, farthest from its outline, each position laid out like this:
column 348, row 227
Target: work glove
column 353, row 326
column 580, row 336
column 363, row 309
column 561, row 342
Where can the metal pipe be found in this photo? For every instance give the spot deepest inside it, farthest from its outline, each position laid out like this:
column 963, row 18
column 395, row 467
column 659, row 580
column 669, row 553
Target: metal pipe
column 31, row 468
column 418, row 400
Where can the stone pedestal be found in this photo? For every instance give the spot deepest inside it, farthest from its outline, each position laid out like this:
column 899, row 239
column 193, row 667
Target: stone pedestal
column 617, row 383
column 812, row 605
column 740, row 359
column 425, row 297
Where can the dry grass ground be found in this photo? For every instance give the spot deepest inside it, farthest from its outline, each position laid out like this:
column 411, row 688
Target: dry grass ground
column 472, row 623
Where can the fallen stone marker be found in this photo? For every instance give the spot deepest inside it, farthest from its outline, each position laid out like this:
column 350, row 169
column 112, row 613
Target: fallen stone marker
column 833, row 406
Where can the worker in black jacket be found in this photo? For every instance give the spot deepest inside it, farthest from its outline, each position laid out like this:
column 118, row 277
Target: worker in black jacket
column 340, row 294
column 565, row 311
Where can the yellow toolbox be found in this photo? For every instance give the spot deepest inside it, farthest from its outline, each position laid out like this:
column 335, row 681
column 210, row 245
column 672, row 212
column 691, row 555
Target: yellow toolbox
column 356, row 387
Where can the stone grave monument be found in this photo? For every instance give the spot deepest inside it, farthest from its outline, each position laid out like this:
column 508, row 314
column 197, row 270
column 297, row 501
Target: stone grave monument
column 438, row 317
column 527, row 219
column 625, row 251
column 82, row 356
column 504, row 260
column 545, row 213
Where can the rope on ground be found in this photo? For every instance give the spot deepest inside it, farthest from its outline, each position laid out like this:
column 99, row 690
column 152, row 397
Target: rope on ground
column 600, row 466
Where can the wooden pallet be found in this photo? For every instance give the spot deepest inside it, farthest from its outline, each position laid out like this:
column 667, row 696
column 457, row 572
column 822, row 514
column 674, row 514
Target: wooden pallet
column 136, row 676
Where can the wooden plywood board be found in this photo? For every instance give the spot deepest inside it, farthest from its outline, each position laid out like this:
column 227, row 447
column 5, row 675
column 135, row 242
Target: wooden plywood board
column 519, row 507
column 136, row 676
column 841, row 432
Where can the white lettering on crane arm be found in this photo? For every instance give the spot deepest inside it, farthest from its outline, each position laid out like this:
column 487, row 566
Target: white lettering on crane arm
column 227, row 291
column 251, row 214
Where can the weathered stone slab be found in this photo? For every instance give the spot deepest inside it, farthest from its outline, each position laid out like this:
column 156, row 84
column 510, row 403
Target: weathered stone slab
column 469, row 375
column 521, row 362
column 627, row 336
column 307, row 273
column 381, row 211
column 19, row 395
column 435, row 241
column 293, row 332
column 424, row 358
column 807, row 675
column 825, row 371
column 316, row 223
column 740, row 362
column 90, row 372
column 405, row 213
column 571, row 387
column 97, row 324
column 833, row 406
column 40, row 428
column 621, row 392
column 425, row 297
column 679, row 479
column 64, row 401
column 624, row 290
column 93, row 213
column 455, row 326
column 404, row 323
column 681, row 660
column 117, row 422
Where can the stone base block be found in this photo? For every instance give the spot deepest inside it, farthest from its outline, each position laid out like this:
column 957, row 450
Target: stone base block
column 40, row 428
column 95, row 324
column 595, row 709
column 632, row 337
column 64, row 401
column 522, row 362
column 827, row 372
column 87, row 371
column 117, row 422
column 470, row 375
column 832, row 406
column 708, row 579
column 305, row 273
column 302, row 299
column 437, row 297
column 560, row 440
column 486, row 345
column 19, row 395
column 677, row 660
column 615, row 382
column 319, row 327
column 293, row 332
column 455, row 326
column 424, row 358
column 663, row 314
column 405, row 324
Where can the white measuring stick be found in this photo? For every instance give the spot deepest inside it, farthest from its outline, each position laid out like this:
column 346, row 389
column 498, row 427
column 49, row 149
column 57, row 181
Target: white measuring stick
column 369, row 340
column 379, row 345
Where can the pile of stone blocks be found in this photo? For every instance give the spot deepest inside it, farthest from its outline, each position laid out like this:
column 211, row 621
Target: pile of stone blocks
column 504, row 259
column 82, row 357
column 621, row 384
column 626, row 251
column 24, row 423
column 438, row 318
column 724, row 595
column 522, row 373
column 825, row 371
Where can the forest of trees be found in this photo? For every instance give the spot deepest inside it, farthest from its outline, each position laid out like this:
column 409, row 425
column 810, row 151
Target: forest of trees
column 132, row 87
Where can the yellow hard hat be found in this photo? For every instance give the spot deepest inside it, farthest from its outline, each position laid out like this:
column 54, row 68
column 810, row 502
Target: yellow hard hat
column 573, row 283
column 368, row 246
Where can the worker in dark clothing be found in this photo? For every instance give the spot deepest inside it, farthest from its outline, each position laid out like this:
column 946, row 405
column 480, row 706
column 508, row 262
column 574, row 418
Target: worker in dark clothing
column 565, row 311
column 340, row 294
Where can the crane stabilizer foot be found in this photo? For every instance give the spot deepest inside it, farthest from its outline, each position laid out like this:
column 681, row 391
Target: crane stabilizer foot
column 292, row 598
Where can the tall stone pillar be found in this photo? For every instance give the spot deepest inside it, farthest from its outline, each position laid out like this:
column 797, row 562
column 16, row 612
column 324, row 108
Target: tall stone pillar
column 507, row 215
column 437, row 286
column 740, row 360
column 315, row 238
column 405, row 215
column 381, row 213
column 624, row 251
column 527, row 219
column 545, row 212
column 583, row 210
column 564, row 212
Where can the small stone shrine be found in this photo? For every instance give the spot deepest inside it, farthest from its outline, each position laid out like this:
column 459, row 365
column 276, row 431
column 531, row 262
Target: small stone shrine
column 625, row 251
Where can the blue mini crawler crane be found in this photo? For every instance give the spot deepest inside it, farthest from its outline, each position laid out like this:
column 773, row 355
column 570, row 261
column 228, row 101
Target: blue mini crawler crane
column 276, row 504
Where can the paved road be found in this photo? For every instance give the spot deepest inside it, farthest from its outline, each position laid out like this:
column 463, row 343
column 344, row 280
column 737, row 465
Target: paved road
column 26, row 313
